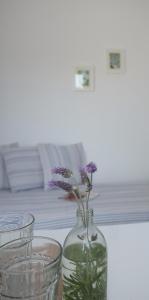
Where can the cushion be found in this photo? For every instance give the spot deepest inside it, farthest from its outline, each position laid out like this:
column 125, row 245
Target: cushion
column 24, row 168
column 69, row 156
column 4, row 184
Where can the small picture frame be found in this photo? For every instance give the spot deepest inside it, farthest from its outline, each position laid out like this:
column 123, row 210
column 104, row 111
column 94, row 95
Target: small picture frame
column 116, row 61
column 84, row 78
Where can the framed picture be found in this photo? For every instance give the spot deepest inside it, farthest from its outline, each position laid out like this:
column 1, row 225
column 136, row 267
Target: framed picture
column 84, row 78
column 115, row 61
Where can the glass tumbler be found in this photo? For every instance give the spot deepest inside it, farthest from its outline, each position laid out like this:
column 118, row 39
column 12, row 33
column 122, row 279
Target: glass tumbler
column 30, row 268
column 15, row 226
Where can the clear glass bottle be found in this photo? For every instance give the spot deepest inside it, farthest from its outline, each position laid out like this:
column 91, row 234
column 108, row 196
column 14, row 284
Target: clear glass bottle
column 84, row 261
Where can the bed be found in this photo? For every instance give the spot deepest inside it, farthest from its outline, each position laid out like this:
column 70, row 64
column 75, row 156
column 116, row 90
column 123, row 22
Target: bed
column 24, row 175
column 120, row 210
column 112, row 204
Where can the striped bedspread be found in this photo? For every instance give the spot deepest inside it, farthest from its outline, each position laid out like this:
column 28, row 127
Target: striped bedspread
column 112, row 204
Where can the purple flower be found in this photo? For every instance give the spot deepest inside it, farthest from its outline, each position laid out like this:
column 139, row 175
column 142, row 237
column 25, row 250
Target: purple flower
column 84, row 176
column 73, row 191
column 85, row 179
column 61, row 184
column 91, row 167
column 62, row 171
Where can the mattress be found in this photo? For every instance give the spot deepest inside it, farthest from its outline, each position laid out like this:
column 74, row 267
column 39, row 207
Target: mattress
column 112, row 204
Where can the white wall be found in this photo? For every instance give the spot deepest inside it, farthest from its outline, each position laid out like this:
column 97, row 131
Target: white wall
column 41, row 41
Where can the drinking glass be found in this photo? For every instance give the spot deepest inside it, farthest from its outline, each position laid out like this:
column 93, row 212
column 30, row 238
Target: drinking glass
column 14, row 226
column 30, row 268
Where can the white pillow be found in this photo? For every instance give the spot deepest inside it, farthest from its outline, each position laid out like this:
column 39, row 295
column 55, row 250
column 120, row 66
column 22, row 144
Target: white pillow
column 4, row 184
column 24, row 168
column 70, row 156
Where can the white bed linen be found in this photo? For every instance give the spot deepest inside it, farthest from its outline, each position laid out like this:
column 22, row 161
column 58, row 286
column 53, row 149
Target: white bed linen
column 114, row 204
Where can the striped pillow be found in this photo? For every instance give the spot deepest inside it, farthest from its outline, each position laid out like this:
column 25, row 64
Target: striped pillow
column 24, row 168
column 4, row 184
column 71, row 156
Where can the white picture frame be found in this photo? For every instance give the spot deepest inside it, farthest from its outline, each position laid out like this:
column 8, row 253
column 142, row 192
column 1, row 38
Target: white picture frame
column 84, row 78
column 116, row 63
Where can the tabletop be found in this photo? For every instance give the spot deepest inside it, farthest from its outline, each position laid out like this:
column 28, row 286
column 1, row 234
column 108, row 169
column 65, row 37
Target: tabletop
column 128, row 259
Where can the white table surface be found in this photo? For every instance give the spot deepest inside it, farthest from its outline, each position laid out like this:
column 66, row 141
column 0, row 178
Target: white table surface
column 128, row 259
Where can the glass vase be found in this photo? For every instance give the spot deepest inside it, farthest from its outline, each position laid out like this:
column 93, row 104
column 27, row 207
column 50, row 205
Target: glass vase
column 84, row 261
